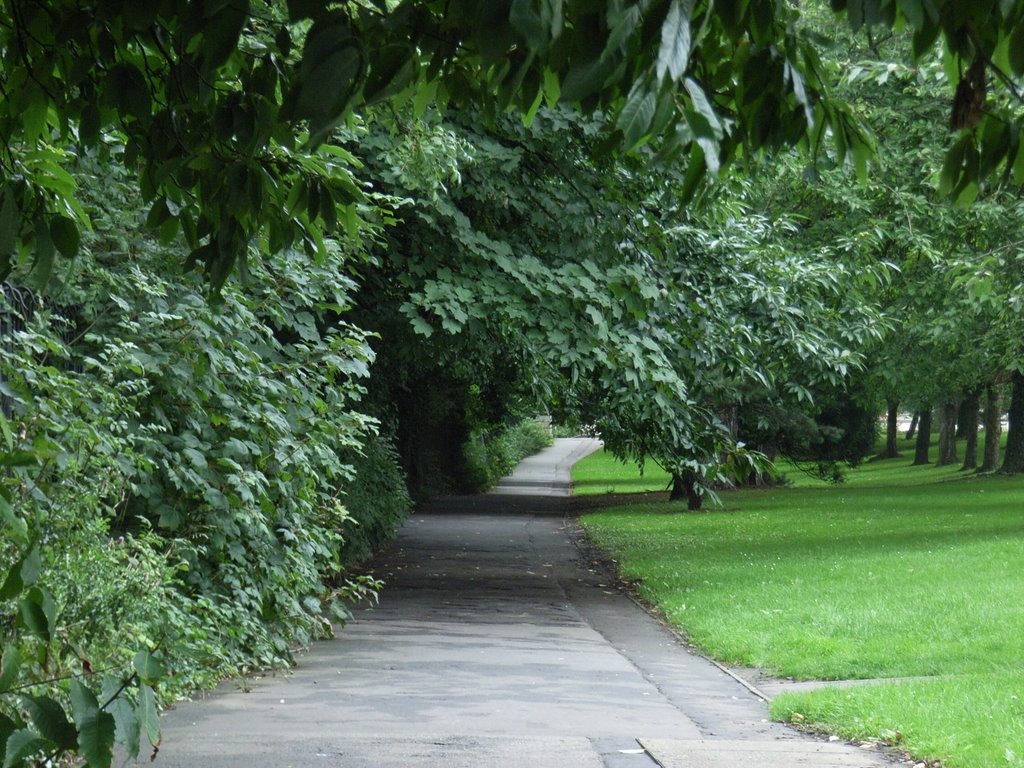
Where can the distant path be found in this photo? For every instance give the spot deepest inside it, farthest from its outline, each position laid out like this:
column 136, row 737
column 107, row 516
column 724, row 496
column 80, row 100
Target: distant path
column 496, row 644
column 549, row 473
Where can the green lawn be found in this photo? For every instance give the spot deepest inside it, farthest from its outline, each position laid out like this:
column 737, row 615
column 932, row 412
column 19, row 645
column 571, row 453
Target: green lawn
column 901, row 572
column 603, row 473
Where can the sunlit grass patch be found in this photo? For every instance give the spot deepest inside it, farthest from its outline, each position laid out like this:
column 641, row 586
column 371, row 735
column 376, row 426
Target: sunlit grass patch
column 900, row 572
column 966, row 721
column 603, row 473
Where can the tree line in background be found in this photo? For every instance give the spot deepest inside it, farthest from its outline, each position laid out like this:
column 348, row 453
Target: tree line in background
column 387, row 269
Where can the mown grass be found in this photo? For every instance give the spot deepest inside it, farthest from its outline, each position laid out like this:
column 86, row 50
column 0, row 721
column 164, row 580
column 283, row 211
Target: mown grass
column 603, row 473
column 901, row 572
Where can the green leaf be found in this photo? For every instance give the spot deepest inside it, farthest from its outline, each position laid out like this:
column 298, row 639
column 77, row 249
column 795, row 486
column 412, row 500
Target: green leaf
column 5, row 429
column 18, row 532
column 623, row 27
column 7, row 727
column 148, row 667
column 95, row 727
column 391, row 70
column 34, row 116
column 127, row 731
column 703, row 107
column 37, row 612
column 14, row 583
column 965, row 194
column 126, row 91
column 425, row 94
column 158, row 213
column 43, row 267
column 50, row 721
column 9, row 225
column 148, row 717
column 421, row 326
column 220, row 33
column 583, row 78
column 1018, row 164
column 913, row 10
column 952, row 165
column 18, row 459
column 1016, row 49
column 89, row 125
column 332, row 66
column 552, row 88
column 674, row 52
column 924, row 38
column 65, row 236
column 696, row 167
column 526, row 20
column 636, row 115
column 31, row 567
column 22, row 744
column 9, row 666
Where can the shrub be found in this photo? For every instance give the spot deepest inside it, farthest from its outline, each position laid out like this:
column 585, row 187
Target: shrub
column 376, row 498
column 172, row 466
column 490, row 455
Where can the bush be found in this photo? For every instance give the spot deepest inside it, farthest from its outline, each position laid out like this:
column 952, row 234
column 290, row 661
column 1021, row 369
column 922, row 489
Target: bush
column 376, row 498
column 490, row 455
column 172, row 465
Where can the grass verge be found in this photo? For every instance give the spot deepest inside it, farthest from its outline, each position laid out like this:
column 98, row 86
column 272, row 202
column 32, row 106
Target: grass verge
column 902, row 572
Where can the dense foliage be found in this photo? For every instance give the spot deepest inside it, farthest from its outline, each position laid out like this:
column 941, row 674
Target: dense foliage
column 182, row 486
column 955, row 340
column 222, row 103
column 356, row 197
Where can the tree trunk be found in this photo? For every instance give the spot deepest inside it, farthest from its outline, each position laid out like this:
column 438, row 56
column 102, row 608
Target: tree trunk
column 1013, row 459
column 947, row 434
column 968, row 419
column 993, row 428
column 912, row 429
column 685, row 486
column 924, row 437
column 891, row 430
column 964, row 416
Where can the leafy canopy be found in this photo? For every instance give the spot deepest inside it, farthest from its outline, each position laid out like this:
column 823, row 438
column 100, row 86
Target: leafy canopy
column 225, row 107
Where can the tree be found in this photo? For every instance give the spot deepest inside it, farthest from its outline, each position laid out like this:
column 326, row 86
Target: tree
column 993, row 428
column 224, row 106
column 1013, row 458
column 892, row 416
column 924, row 437
column 951, row 336
column 968, row 420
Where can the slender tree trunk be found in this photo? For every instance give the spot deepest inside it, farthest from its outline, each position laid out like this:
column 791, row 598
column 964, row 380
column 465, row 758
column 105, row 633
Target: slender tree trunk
column 912, row 429
column 684, row 486
column 891, row 430
column 1013, row 459
column 924, row 437
column 968, row 419
column 947, row 434
column 993, row 428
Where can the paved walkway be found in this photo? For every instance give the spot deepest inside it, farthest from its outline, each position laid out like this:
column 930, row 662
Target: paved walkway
column 496, row 644
column 549, row 473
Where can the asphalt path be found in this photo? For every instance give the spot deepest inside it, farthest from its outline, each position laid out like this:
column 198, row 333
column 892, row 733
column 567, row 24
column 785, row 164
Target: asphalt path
column 498, row 641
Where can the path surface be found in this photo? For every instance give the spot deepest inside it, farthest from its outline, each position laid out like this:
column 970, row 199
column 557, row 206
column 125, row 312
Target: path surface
column 496, row 644
column 549, row 473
